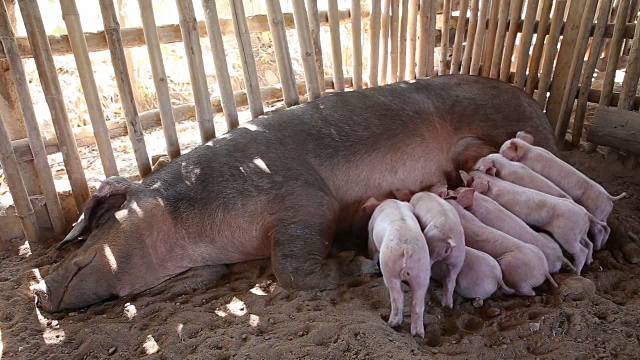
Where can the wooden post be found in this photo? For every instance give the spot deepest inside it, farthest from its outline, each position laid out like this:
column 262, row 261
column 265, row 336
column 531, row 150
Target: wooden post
column 220, row 63
column 444, row 38
column 510, row 42
column 336, row 48
column 136, row 135
column 491, row 37
column 471, row 37
column 431, row 38
column 374, row 40
column 283, row 57
column 51, row 87
column 394, row 31
column 384, row 34
column 314, row 22
column 614, row 52
column 536, row 54
column 7, row 36
column 456, row 57
column 481, row 30
column 402, row 57
column 498, row 48
column 413, row 39
column 575, row 69
column 88, row 82
column 525, row 43
column 551, row 49
column 630, row 85
column 306, row 50
column 243, row 38
column 159, row 78
column 9, row 164
column 356, row 36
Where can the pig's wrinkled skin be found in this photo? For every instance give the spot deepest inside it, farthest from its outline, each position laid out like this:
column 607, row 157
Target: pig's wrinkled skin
column 396, row 240
column 517, row 173
column 444, row 235
column 492, row 214
column 479, row 277
column 583, row 190
column 285, row 185
column 566, row 220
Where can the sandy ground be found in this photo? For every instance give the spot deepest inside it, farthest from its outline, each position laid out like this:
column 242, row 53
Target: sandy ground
column 245, row 314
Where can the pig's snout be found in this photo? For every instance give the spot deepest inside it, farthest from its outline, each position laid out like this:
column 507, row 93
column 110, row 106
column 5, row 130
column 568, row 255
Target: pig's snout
column 43, row 298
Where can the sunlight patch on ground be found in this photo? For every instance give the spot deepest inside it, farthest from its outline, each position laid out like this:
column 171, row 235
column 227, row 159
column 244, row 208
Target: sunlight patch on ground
column 236, row 307
column 113, row 264
column 130, row 311
column 24, row 250
column 254, row 320
column 53, row 333
column 264, row 288
column 150, row 345
column 179, row 330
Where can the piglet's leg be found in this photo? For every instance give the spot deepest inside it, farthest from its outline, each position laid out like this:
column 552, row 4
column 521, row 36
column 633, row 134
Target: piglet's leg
column 397, row 301
column 589, row 246
column 419, row 287
column 449, row 285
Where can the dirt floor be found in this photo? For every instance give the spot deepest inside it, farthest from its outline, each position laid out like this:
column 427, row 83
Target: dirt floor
column 247, row 315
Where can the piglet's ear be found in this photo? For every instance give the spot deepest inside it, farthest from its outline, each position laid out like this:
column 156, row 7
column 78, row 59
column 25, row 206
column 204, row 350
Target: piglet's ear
column 466, row 178
column 451, row 194
column 525, row 136
column 370, row 205
column 440, row 190
column 465, row 197
column 402, row 195
column 491, row 171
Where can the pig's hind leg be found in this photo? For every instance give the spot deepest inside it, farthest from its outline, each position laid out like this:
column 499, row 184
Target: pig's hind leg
column 397, row 300
column 449, row 284
column 419, row 285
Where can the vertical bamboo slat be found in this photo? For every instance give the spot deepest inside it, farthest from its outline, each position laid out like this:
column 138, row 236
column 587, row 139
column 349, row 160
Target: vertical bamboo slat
column 220, row 63
column 551, row 49
column 536, row 54
column 431, row 37
column 114, row 41
column 9, row 164
column 88, row 83
column 384, row 41
column 413, row 39
column 471, row 37
column 444, row 38
column 314, row 27
column 306, row 49
column 402, row 57
column 356, row 37
column 510, row 42
column 394, row 30
column 525, row 43
column 8, row 39
column 481, row 31
column 630, row 85
column 159, row 78
column 614, row 53
column 456, row 57
column 243, row 38
column 283, row 57
column 491, row 38
column 374, row 39
column 336, row 48
column 498, row 48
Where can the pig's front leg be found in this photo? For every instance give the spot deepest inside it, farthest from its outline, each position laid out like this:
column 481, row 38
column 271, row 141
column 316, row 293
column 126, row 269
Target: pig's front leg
column 397, row 300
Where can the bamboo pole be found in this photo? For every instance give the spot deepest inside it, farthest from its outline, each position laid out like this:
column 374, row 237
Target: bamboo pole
column 384, row 49
column 306, row 49
column 571, row 88
column 336, row 48
column 614, row 52
column 220, row 63
column 53, row 95
column 536, row 54
column 444, row 38
column 471, row 37
column 394, row 30
column 525, row 43
column 159, row 78
column 510, row 42
column 283, row 57
column 630, row 85
column 9, row 164
column 491, row 37
column 136, row 135
column 633, row 15
column 587, row 75
column 88, row 83
column 456, row 57
column 431, row 38
column 374, row 40
column 402, row 56
column 314, row 23
column 7, row 36
column 498, row 48
column 550, row 52
column 356, row 37
column 479, row 38
column 413, row 39
column 246, row 58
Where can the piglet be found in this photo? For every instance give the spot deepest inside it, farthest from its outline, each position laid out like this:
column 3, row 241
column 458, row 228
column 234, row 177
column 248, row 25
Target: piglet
column 517, row 173
column 396, row 240
column 444, row 236
column 523, row 265
column 479, row 277
column 583, row 190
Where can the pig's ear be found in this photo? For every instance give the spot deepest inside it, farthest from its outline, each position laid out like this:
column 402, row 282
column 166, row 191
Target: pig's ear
column 402, row 195
column 491, row 171
column 450, row 246
column 370, row 205
column 451, row 194
column 525, row 136
column 466, row 178
column 481, row 186
column 465, row 197
column 109, row 197
column 440, row 190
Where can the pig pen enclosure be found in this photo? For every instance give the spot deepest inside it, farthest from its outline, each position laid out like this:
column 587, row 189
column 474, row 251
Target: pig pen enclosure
column 101, row 88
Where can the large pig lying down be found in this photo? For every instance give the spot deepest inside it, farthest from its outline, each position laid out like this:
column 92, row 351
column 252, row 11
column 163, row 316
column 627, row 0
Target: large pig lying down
column 284, row 185
column 395, row 238
column 583, row 190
